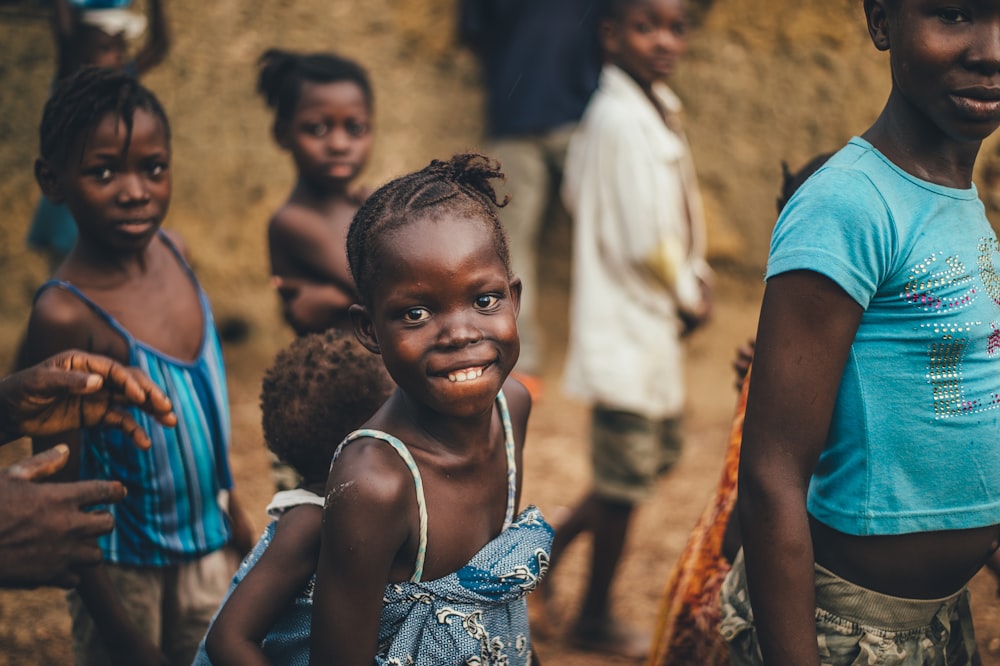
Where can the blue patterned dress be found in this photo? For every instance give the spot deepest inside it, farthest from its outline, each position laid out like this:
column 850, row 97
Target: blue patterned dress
column 477, row 615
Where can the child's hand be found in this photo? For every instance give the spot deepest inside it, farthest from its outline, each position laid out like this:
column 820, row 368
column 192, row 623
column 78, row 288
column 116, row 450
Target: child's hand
column 692, row 320
column 45, row 533
column 243, row 539
column 741, row 364
column 75, row 389
column 310, row 307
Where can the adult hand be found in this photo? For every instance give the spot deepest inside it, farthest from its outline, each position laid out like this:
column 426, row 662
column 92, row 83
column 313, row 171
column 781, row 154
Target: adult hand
column 44, row 531
column 75, row 389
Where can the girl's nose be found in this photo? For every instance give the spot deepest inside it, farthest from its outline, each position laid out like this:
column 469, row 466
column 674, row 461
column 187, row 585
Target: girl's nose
column 338, row 141
column 985, row 50
column 133, row 189
column 458, row 330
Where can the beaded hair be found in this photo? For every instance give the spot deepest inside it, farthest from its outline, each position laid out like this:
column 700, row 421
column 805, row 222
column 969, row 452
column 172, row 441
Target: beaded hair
column 460, row 186
column 282, row 74
column 81, row 101
column 318, row 390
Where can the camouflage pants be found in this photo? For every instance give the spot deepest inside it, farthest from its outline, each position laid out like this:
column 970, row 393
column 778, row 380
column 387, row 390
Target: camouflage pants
column 858, row 627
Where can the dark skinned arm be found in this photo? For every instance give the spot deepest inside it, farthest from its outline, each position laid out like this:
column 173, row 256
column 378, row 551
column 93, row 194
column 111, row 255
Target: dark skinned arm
column 807, row 326
column 305, row 239
column 267, row 590
column 366, row 522
column 312, row 307
column 64, row 26
column 156, row 48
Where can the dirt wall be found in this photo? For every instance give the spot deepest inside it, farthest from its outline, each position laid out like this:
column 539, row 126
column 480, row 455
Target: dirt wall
column 761, row 84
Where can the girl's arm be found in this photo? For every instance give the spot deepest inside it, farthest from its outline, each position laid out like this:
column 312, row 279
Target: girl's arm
column 64, row 27
column 267, row 590
column 370, row 507
column 311, row 307
column 155, row 50
column 807, row 326
column 306, row 241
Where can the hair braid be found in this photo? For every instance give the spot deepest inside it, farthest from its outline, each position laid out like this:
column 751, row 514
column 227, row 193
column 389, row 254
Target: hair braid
column 459, row 186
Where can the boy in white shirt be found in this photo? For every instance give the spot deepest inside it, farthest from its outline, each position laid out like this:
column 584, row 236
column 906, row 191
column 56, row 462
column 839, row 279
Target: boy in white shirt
column 639, row 285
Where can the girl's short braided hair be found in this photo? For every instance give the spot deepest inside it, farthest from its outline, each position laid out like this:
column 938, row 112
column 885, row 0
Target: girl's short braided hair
column 460, row 186
column 81, row 101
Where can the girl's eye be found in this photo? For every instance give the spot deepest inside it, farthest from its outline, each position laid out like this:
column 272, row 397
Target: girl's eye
column 416, row 314
column 953, row 15
column 642, row 27
column 356, row 129
column 102, row 174
column 487, row 301
column 157, row 170
column 320, row 129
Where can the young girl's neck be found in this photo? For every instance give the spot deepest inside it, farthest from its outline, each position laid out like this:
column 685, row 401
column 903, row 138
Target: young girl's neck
column 91, row 257
column 911, row 141
column 457, row 435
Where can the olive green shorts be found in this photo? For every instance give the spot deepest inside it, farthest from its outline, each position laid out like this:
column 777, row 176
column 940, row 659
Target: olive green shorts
column 855, row 625
column 629, row 452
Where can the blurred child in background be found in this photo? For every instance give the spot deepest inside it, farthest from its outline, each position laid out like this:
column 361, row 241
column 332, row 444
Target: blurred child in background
column 318, row 390
column 323, row 118
column 639, row 285
column 125, row 292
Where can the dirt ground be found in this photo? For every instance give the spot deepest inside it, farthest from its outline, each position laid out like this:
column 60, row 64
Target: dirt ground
column 34, row 624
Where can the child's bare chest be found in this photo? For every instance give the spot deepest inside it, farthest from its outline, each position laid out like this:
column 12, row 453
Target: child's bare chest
column 161, row 311
column 465, row 511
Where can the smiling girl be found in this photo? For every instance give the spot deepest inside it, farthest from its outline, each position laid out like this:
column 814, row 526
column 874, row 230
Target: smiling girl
column 423, row 558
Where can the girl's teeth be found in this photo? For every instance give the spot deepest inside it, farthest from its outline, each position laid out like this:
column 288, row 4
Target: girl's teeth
column 465, row 375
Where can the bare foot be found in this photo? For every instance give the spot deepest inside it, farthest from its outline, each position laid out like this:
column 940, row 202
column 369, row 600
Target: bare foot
column 611, row 637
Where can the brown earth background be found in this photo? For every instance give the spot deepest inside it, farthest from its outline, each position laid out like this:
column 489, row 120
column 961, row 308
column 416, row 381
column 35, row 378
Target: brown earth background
column 762, row 82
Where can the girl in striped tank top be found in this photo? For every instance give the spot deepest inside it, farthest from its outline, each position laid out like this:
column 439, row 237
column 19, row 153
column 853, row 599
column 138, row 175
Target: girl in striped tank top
column 126, row 292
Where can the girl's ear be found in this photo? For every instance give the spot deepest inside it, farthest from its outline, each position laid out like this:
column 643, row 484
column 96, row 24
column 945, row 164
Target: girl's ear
column 878, row 20
column 364, row 328
column 45, row 175
column 515, row 294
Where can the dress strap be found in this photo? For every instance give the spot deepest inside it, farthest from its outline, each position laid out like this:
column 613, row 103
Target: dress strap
column 508, row 438
column 404, row 453
column 98, row 310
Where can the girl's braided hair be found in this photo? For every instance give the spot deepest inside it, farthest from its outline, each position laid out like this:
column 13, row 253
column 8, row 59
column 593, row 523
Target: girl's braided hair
column 460, row 186
column 282, row 74
column 79, row 103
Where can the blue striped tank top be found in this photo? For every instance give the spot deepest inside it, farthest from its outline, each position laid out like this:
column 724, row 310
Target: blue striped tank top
column 171, row 512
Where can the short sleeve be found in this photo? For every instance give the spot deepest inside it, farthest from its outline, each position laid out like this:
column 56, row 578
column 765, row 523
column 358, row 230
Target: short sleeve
column 837, row 225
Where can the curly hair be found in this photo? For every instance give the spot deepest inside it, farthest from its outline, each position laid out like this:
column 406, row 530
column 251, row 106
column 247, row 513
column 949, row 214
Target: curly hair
column 460, row 186
column 282, row 74
column 319, row 389
column 81, row 101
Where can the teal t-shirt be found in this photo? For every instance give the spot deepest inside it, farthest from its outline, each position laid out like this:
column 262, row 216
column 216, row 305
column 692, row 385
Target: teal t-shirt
column 914, row 444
